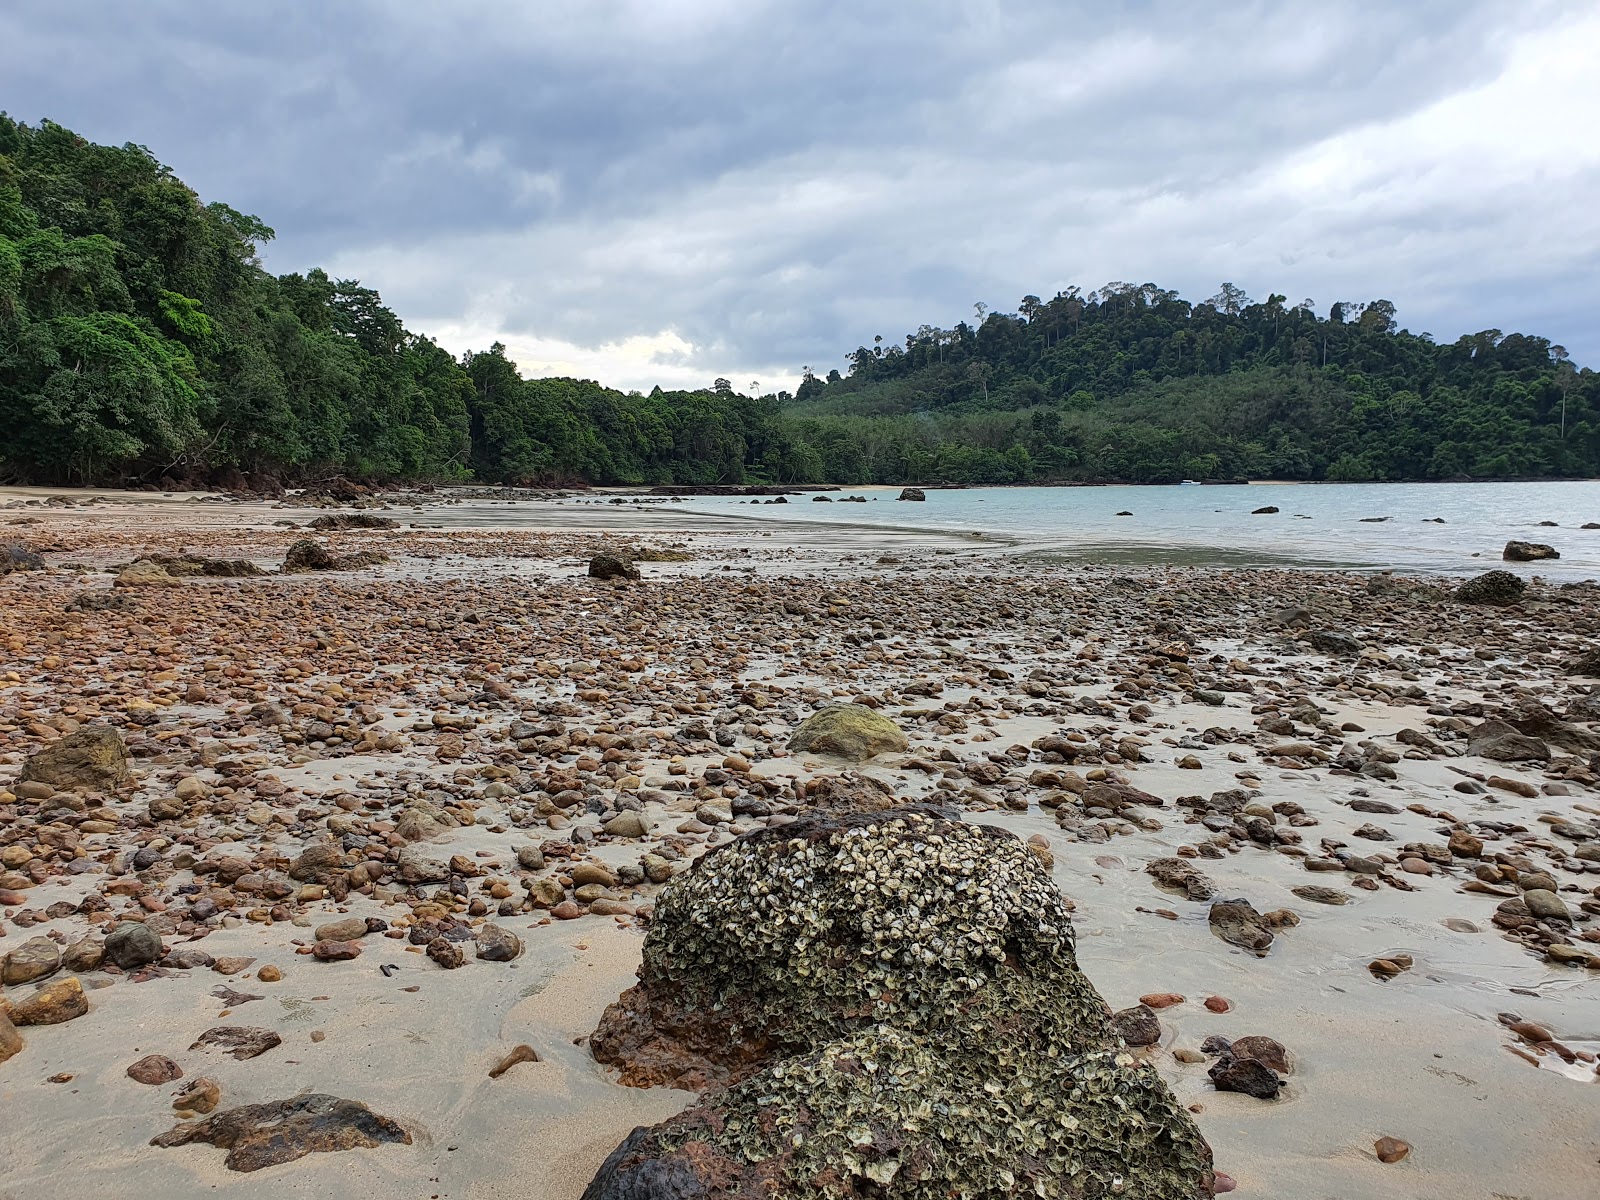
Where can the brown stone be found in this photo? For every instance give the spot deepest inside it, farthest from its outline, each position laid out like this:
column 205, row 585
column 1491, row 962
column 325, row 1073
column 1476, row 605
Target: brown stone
column 154, row 1069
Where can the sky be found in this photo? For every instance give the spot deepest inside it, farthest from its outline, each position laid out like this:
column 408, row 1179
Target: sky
column 666, row 191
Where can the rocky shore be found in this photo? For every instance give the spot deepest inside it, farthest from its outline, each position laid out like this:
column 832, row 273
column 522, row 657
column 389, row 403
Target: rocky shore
column 331, row 842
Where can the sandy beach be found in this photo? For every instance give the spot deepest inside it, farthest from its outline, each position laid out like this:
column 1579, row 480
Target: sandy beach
column 453, row 740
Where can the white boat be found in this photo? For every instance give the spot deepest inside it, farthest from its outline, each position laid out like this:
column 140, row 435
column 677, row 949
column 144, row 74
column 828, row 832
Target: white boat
column 1189, row 483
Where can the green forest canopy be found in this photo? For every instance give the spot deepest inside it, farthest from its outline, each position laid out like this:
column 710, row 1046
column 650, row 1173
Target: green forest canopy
column 141, row 340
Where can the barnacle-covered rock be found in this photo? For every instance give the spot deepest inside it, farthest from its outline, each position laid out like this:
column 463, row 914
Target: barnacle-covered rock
column 891, row 1114
column 790, row 937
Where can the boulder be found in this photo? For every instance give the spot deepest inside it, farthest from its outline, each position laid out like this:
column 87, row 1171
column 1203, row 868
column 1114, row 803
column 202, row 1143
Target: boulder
column 1528, row 552
column 145, row 574
column 1587, row 662
column 57, row 1001
column 1497, row 588
column 19, row 558
column 1264, row 510
column 612, row 566
column 265, row 1135
column 34, row 959
column 1502, row 742
column 93, row 757
column 912, row 493
column 1328, row 641
column 901, row 1015
column 310, row 555
column 850, row 731
column 132, row 945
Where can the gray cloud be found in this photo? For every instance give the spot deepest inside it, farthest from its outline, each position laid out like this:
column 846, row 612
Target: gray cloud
column 642, row 190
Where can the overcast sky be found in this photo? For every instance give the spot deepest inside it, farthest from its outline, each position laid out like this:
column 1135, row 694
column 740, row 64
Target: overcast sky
column 644, row 191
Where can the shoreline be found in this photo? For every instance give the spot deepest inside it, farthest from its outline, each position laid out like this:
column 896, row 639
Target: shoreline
column 1182, row 681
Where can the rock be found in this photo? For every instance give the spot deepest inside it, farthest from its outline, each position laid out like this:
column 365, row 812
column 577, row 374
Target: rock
column 132, row 945
column 231, row 964
column 17, row 557
column 354, row 520
column 1328, row 641
column 347, row 929
column 446, row 953
column 417, row 866
column 612, row 566
column 1218, row 1004
column 627, row 825
column 1181, row 875
column 269, row 974
column 1465, row 845
column 1321, row 895
column 11, row 1043
column 241, row 1041
column 1247, row 1075
column 310, row 555
column 912, row 493
column 34, row 959
column 1500, row 741
column 154, row 1069
column 765, row 1004
column 1528, row 552
column 335, row 951
column 850, row 731
column 1390, row 1150
column 1264, row 1050
column 1160, row 1000
column 1389, row 967
column 1497, row 588
column 145, row 573
column 496, row 944
column 1517, row 787
column 1137, row 1025
column 521, row 1054
column 1586, row 663
column 316, row 861
column 585, row 873
column 265, row 1135
column 848, row 792
column 1094, row 1127
column 1264, row 510
column 567, row 910
column 1546, row 906
column 94, row 757
column 197, row 1097
column 1238, row 923
column 53, row 1003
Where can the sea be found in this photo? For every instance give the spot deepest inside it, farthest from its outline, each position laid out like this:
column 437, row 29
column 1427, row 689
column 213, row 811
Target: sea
column 1432, row 528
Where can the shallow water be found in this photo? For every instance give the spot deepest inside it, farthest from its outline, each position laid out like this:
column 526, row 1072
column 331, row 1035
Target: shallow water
column 1319, row 525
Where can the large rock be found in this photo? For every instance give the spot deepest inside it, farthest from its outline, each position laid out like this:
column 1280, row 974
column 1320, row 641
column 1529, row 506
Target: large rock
column 1498, row 588
column 1528, row 552
column 264, row 1135
column 93, row 757
column 57, row 1001
column 849, row 731
column 912, row 493
column 882, row 1004
column 132, row 945
column 34, row 959
column 612, row 566
column 310, row 555
column 1502, row 742
column 1587, row 662
column 19, row 558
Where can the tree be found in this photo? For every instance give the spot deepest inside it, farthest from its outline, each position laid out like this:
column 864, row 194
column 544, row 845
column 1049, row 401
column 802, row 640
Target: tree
column 1229, row 300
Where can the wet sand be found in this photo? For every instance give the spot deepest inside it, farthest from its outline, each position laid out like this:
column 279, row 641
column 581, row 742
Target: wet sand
column 760, row 626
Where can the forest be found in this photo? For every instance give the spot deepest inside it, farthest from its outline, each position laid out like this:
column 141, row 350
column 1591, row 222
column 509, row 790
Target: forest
column 142, row 343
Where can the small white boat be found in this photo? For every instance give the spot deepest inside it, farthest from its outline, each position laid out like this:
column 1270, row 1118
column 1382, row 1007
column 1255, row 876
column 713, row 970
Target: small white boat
column 1189, row 483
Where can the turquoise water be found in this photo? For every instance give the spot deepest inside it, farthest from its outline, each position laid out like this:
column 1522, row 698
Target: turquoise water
column 1318, row 525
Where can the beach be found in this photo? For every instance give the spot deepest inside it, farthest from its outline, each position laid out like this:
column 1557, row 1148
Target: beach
column 472, row 727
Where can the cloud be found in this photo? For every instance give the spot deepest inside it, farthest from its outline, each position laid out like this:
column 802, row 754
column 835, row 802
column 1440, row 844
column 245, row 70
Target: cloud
column 647, row 191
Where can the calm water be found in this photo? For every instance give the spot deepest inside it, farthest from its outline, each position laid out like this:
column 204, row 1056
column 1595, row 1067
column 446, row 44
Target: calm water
column 1318, row 525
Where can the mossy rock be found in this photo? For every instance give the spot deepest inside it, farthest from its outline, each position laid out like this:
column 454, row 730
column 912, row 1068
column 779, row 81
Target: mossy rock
column 850, row 731
column 93, row 757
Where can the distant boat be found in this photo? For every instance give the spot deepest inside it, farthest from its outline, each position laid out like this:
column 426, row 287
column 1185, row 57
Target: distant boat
column 1189, row 483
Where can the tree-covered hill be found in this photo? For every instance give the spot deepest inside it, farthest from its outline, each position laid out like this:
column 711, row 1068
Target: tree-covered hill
column 1134, row 383
column 141, row 341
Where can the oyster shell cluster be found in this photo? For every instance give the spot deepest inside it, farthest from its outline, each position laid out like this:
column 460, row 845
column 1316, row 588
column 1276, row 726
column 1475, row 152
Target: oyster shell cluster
column 889, row 1002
